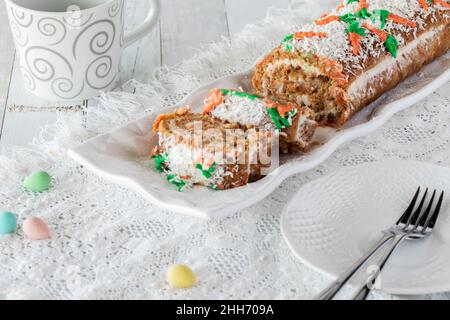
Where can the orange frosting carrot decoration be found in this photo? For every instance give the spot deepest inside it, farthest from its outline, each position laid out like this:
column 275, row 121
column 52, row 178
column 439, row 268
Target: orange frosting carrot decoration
column 442, row 3
column 326, row 20
column 355, row 39
column 214, row 99
column 379, row 33
column 362, row 5
column 339, row 7
column 401, row 20
column 424, row 4
column 282, row 109
column 303, row 35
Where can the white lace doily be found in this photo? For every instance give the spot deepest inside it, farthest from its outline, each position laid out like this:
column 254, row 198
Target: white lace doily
column 109, row 243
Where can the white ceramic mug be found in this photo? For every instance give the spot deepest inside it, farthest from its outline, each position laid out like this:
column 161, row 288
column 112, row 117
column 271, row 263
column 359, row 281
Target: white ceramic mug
column 71, row 49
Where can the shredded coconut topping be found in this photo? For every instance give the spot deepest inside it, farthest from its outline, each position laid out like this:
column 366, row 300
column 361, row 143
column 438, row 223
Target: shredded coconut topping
column 244, row 111
column 336, row 45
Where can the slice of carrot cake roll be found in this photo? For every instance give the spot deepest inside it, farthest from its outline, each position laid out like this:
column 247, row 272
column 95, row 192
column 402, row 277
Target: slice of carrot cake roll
column 352, row 55
column 294, row 124
column 196, row 149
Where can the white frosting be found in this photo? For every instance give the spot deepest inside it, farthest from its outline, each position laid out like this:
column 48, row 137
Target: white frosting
column 296, row 63
column 243, row 111
column 336, row 46
column 359, row 86
column 180, row 159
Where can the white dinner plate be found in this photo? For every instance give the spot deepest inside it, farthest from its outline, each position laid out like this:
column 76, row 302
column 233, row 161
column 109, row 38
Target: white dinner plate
column 119, row 156
column 332, row 222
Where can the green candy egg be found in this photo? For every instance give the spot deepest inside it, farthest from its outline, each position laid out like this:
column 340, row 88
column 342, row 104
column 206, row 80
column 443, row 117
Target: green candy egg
column 38, row 182
column 8, row 222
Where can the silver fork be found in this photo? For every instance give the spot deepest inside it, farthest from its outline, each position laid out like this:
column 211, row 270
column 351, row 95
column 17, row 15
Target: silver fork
column 400, row 228
column 415, row 227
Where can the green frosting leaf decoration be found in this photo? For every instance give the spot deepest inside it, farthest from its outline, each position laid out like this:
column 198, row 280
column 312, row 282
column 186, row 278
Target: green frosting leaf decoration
column 159, row 162
column 354, row 27
column 391, row 45
column 363, row 14
column 239, row 94
column 288, row 38
column 245, row 95
column 207, row 173
column 275, row 118
column 286, row 123
column 291, row 115
column 348, row 18
column 287, row 46
column 382, row 15
column 351, row 1
column 278, row 120
column 225, row 91
column 179, row 183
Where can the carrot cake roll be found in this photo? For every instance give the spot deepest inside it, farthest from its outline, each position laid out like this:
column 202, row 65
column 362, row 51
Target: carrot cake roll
column 294, row 124
column 352, row 55
column 196, row 149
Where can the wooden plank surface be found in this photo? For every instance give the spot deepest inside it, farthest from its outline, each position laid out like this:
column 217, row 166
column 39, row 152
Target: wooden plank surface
column 142, row 57
column 21, row 127
column 243, row 12
column 184, row 26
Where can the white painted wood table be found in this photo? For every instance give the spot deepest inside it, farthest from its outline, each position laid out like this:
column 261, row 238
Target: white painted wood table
column 184, row 25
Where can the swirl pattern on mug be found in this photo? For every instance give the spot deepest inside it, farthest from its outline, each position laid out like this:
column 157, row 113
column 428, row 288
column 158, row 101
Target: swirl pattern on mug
column 53, row 29
column 115, row 8
column 98, row 42
column 64, row 88
column 23, row 19
column 28, row 79
column 77, row 20
column 20, row 37
column 99, row 75
column 40, row 62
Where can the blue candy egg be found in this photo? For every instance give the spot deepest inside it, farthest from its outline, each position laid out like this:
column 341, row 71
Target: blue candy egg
column 8, row 222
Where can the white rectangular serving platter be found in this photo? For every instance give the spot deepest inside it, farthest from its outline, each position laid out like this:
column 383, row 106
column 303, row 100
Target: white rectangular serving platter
column 121, row 156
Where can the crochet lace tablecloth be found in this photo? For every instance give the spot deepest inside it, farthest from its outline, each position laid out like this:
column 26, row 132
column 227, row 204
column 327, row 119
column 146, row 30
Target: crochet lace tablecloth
column 109, row 243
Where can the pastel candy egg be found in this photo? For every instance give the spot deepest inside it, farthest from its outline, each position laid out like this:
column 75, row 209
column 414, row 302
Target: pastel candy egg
column 8, row 222
column 35, row 229
column 37, row 182
column 181, row 276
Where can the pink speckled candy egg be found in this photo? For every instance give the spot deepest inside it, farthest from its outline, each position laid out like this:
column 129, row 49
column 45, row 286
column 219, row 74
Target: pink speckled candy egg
column 36, row 229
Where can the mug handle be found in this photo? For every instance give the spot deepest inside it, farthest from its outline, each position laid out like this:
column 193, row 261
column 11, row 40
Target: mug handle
column 149, row 22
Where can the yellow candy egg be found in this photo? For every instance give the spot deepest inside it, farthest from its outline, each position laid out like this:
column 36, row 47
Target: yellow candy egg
column 181, row 276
